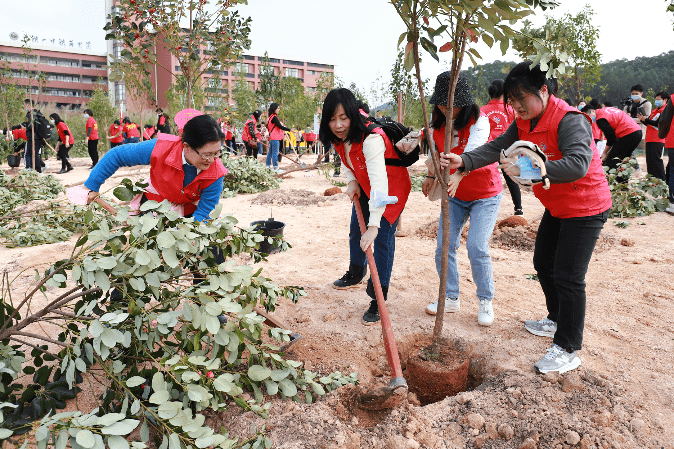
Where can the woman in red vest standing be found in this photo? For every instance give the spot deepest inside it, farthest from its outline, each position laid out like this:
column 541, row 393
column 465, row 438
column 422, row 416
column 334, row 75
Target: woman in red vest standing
column 116, row 134
column 363, row 153
column 91, row 139
column 655, row 147
column 64, row 144
column 500, row 116
column 248, row 135
column 275, row 128
column 576, row 204
column 477, row 197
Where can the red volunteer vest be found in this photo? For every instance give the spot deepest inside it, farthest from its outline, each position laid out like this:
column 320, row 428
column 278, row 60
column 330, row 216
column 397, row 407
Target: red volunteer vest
column 399, row 183
column 596, row 132
column 19, row 134
column 131, row 130
column 482, row 183
column 587, row 196
column 245, row 134
column 621, row 123
column 61, row 127
column 114, row 129
column 167, row 175
column 275, row 133
column 500, row 117
column 228, row 132
column 91, row 123
column 651, row 131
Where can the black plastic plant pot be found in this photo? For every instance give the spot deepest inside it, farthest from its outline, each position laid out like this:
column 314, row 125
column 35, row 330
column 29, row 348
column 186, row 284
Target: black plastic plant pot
column 269, row 228
column 13, row 161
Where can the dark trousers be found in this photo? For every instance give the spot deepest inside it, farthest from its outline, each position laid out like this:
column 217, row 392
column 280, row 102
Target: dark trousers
column 654, row 164
column 251, row 151
column 515, row 192
column 384, row 245
column 62, row 154
column 670, row 173
column 562, row 254
column 38, row 156
column 92, row 146
column 115, row 144
column 622, row 148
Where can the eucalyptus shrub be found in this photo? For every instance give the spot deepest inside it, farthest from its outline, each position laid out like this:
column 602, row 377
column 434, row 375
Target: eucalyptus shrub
column 638, row 198
column 247, row 175
column 132, row 317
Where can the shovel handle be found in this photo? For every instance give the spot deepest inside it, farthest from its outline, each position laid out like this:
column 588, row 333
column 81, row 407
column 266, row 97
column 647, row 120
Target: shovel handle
column 387, row 329
column 105, row 205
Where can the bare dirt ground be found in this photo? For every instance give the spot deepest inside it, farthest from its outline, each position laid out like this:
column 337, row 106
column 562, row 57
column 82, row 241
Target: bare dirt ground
column 621, row 397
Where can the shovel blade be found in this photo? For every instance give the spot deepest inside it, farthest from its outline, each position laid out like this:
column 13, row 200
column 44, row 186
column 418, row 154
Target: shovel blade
column 383, row 398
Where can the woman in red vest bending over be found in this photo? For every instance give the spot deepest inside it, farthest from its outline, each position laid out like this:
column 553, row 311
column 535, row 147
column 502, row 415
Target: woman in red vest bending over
column 477, row 197
column 500, row 116
column 116, row 134
column 187, row 172
column 363, row 153
column 576, row 204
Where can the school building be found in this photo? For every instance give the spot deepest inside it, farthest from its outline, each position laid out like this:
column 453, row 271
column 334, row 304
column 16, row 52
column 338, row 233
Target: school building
column 71, row 71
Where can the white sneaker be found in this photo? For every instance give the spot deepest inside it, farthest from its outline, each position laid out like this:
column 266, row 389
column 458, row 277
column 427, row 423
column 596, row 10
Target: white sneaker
column 542, row 328
column 451, row 305
column 557, row 359
column 280, row 171
column 485, row 316
column 670, row 209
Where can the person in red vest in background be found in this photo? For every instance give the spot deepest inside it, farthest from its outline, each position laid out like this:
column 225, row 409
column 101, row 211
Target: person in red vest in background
column 477, row 197
column 148, row 132
column 655, row 147
column 622, row 135
column 577, row 203
column 248, row 135
column 131, row 131
column 19, row 132
column 500, row 116
column 116, row 134
column 229, row 136
column 91, row 138
column 163, row 125
column 363, row 153
column 64, row 144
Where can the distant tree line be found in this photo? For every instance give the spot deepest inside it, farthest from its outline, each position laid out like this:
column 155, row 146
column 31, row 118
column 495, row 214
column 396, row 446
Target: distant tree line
column 617, row 77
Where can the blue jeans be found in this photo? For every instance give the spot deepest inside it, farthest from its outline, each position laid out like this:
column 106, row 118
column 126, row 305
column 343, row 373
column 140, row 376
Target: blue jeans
column 272, row 154
column 482, row 214
column 132, row 140
column 384, row 245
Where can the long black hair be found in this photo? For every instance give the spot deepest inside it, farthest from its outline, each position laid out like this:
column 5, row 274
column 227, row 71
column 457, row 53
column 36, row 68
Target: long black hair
column 348, row 101
column 200, row 130
column 523, row 79
column 56, row 118
column 496, row 89
column 467, row 112
column 272, row 108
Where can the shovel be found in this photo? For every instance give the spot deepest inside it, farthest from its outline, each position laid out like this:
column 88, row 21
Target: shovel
column 385, row 397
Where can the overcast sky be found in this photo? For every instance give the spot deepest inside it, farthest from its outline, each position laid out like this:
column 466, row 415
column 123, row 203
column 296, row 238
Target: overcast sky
column 358, row 36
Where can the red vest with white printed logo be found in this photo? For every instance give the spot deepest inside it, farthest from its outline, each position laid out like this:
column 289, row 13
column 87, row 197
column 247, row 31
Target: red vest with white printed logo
column 485, row 182
column 621, row 123
column 399, row 183
column 167, row 175
column 587, row 196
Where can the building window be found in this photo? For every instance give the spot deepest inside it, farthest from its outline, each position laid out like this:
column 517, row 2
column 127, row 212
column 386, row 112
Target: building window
column 320, row 66
column 248, row 58
column 289, row 62
column 120, row 93
column 117, row 52
column 271, row 60
column 292, row 72
column 92, row 65
column 241, row 67
column 313, row 72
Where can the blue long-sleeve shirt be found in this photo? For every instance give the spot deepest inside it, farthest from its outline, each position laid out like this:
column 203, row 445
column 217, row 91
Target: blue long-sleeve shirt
column 133, row 154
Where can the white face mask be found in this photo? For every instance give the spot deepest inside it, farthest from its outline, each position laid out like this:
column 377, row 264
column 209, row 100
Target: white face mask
column 86, row 116
column 51, row 121
column 635, row 97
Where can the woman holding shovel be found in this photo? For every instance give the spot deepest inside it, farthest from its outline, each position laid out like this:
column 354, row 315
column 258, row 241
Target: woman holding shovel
column 363, row 153
column 576, row 203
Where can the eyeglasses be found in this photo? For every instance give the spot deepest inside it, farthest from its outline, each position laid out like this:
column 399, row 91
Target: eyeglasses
column 208, row 157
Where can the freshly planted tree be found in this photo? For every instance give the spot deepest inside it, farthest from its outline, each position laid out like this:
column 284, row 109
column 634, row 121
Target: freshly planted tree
column 575, row 40
column 464, row 22
column 202, row 36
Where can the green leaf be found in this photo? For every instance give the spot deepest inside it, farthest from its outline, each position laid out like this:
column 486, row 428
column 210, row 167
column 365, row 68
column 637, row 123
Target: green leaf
column 142, row 257
column 85, row 438
column 135, row 381
column 6, row 433
column 170, row 257
column 165, row 240
column 109, row 419
column 117, row 442
column 159, row 397
column 258, row 373
column 288, row 388
column 271, row 386
column 120, row 428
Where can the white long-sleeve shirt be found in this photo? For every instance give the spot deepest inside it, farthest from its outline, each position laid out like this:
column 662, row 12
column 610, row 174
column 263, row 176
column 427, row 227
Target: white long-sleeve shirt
column 374, row 149
column 479, row 134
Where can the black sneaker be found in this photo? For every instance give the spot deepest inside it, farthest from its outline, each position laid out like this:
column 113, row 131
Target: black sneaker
column 63, row 170
column 519, row 211
column 352, row 277
column 371, row 316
